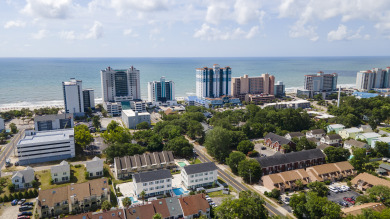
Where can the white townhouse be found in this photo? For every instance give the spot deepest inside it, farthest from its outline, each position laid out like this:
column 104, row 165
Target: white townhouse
column 154, row 183
column 332, row 139
column 95, row 167
column 315, row 133
column 44, row 146
column 23, row 178
column 199, row 175
column 60, row 173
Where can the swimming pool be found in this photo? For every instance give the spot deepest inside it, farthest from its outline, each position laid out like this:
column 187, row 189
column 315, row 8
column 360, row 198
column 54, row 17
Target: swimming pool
column 132, row 200
column 182, row 164
column 179, row 191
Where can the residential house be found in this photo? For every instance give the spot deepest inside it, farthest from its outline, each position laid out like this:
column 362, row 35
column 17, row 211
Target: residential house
column 175, row 210
column 199, row 175
column 315, row 141
column 140, row 211
column 331, row 171
column 349, row 133
column 335, row 127
column 380, row 139
column 322, row 146
column 153, row 183
column 276, row 142
column 358, row 209
column 292, row 135
column 291, row 161
column 118, row 213
column 286, row 181
column 194, row 206
column 24, row 178
column 365, row 128
column 332, row 139
column 127, row 165
column 95, row 167
column 315, row 133
column 352, row 143
column 365, row 181
column 60, row 173
column 368, row 136
column 74, row 198
column 384, row 169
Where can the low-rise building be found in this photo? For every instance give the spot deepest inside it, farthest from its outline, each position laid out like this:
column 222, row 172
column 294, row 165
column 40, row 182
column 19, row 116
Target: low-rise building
column 380, row 139
column 384, row 169
column 221, row 101
column 315, row 133
column 276, row 142
column 365, row 181
column 292, row 135
column 322, row 146
column 315, row 141
column 60, row 173
column 286, row 181
column 132, row 118
column 291, row 161
column 352, row 143
column 358, row 209
column 368, row 136
column 365, row 128
column 331, row 171
column 23, row 179
column 39, row 147
column 53, row 122
column 290, row 104
column 259, row 98
column 335, row 127
column 127, row 165
column 113, row 108
column 350, row 133
column 194, row 206
column 332, row 139
column 153, row 183
column 74, row 198
column 95, row 167
column 199, row 175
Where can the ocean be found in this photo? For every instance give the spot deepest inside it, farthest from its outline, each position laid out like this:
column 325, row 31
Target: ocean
column 29, row 82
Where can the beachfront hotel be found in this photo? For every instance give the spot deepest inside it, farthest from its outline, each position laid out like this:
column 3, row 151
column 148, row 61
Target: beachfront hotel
column 241, row 86
column 213, row 82
column 321, row 82
column 89, row 99
column 161, row 92
column 375, row 78
column 73, row 97
column 39, row 147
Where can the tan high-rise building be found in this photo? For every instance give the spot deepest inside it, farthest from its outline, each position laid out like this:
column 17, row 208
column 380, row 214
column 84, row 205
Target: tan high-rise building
column 252, row 85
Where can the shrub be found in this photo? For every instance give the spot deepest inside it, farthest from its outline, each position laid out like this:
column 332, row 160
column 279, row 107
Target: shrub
column 253, row 153
column 78, row 165
column 327, row 182
column 11, row 187
column 5, row 198
column 109, row 181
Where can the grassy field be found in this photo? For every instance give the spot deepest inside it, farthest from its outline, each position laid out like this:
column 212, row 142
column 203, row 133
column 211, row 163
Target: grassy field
column 386, row 129
column 76, row 176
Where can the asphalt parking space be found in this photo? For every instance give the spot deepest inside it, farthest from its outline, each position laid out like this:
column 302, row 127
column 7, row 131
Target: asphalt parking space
column 336, row 197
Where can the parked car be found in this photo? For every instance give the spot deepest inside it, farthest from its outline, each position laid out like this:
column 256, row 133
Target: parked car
column 28, row 204
column 287, row 200
column 25, row 213
column 25, row 208
column 24, row 217
column 17, row 163
column 263, row 148
column 14, row 202
column 21, row 201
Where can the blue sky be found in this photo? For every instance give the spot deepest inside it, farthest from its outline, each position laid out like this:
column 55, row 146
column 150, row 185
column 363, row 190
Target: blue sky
column 194, row 28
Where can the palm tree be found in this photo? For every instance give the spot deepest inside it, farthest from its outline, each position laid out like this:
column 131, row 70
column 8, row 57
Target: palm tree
column 157, row 216
column 143, row 194
column 126, row 202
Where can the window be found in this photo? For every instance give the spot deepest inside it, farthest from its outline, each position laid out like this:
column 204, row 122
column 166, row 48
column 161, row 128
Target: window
column 200, row 174
column 90, row 174
column 168, row 186
column 55, row 174
column 151, row 189
column 145, row 184
column 157, row 187
column 200, row 180
column 146, row 190
column 192, row 181
column 16, row 180
column 206, row 174
column 211, row 172
column 156, row 182
column 211, row 177
column 113, row 214
column 205, row 179
column 196, row 175
column 168, row 180
column 162, row 187
column 150, row 183
column 64, row 173
column 161, row 181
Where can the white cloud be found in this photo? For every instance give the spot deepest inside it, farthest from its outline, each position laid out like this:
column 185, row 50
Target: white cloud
column 217, row 11
column 40, row 34
column 206, row 32
column 16, row 23
column 96, row 31
column 342, row 33
column 247, row 11
column 129, row 32
column 68, row 35
column 299, row 30
column 58, row 9
column 122, row 6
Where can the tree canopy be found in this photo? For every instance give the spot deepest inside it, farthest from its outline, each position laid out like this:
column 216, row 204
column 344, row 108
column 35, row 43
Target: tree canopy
column 234, row 159
column 179, row 146
column 250, row 170
column 82, row 136
column 318, row 187
column 217, row 142
column 336, row 154
column 245, row 146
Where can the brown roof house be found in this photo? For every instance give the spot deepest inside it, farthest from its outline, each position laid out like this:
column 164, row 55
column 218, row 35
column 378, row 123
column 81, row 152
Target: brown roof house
column 276, row 142
column 118, row 213
column 286, row 181
column 365, row 181
column 195, row 205
column 331, row 171
column 74, row 198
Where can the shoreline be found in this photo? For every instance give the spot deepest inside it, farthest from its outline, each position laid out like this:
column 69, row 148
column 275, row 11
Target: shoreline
column 59, row 103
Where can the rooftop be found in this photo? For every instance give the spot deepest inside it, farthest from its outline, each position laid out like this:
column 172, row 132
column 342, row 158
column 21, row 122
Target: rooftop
column 200, row 168
column 193, row 204
column 47, row 136
column 369, row 135
column 152, row 175
column 95, row 162
column 130, row 112
column 62, row 167
column 370, row 179
column 336, row 126
column 352, row 130
column 53, row 117
column 355, row 143
column 290, row 157
column 278, row 138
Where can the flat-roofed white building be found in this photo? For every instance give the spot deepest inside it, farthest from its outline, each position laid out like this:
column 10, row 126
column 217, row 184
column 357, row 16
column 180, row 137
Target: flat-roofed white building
column 60, row 173
column 73, row 97
column 154, row 183
column 53, row 122
column 199, row 175
column 133, row 118
column 38, row 147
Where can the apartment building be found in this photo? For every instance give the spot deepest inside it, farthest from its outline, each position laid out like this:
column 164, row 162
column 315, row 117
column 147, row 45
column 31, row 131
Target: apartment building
column 94, row 167
column 60, row 173
column 286, row 181
column 321, row 82
column 73, row 97
column 291, row 161
column 153, row 183
column 331, row 171
column 161, row 91
column 74, row 198
column 241, row 86
column 199, row 175
column 23, row 179
column 132, row 118
column 127, row 165
column 373, row 79
column 276, row 142
column 89, row 99
column 289, row 104
column 259, row 98
column 213, row 82
column 38, row 147
column 365, row 181
column 280, row 89
column 53, row 122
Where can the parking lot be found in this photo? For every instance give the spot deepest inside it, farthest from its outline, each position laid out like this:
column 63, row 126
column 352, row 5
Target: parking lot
column 337, row 197
column 267, row 152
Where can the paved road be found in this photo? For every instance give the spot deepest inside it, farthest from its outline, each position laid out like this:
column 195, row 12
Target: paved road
column 237, row 185
column 9, row 148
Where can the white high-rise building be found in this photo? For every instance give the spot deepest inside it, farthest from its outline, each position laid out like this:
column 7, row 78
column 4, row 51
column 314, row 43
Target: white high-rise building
column 120, row 85
column 161, row 91
column 213, row 82
column 375, row 78
column 73, row 97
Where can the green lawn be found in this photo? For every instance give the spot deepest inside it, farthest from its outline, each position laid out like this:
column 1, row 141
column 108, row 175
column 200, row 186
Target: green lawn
column 197, row 161
column 386, row 129
column 76, row 176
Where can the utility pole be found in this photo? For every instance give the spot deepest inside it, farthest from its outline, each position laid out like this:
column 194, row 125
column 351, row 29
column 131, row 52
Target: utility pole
column 338, row 98
column 250, row 176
